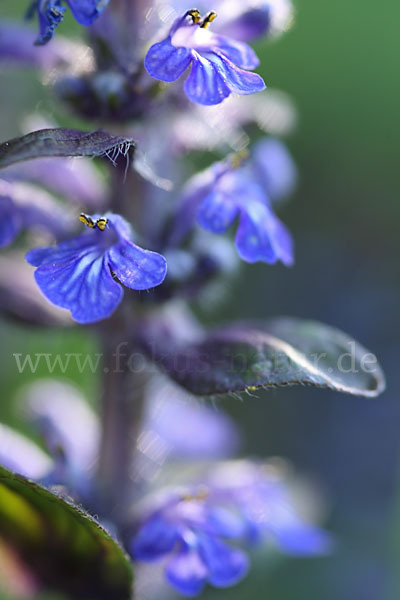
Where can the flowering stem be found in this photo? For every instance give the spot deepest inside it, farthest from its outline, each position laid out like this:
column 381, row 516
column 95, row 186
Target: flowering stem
column 122, row 407
column 123, row 390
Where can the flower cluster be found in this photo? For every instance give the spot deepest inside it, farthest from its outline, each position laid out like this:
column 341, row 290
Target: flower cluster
column 146, row 192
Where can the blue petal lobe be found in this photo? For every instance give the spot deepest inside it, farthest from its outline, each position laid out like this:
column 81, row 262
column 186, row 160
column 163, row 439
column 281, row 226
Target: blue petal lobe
column 261, row 236
column 186, row 572
column 137, row 268
column 10, row 222
column 227, row 565
column 154, row 539
column 238, row 53
column 239, row 81
column 167, row 62
column 217, row 212
column 303, row 540
column 249, row 25
column 87, row 11
column 63, row 252
column 205, row 84
column 50, row 15
column 275, row 168
column 225, row 523
column 80, row 283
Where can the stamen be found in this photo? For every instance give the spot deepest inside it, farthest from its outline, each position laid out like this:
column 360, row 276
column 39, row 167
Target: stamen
column 208, row 19
column 86, row 220
column 195, row 14
column 101, row 223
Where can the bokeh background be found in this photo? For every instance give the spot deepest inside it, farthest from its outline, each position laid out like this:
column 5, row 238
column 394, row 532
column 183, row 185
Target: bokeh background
column 340, row 65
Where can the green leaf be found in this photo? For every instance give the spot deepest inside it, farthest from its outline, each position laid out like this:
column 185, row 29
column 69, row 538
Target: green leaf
column 63, row 142
column 64, row 547
column 281, row 352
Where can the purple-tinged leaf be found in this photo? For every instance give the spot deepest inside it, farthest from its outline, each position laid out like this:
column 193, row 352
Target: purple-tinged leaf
column 243, row 357
column 63, row 142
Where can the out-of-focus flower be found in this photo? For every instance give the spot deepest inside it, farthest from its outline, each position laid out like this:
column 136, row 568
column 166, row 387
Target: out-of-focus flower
column 161, row 441
column 192, row 533
column 222, row 126
column 228, row 190
column 24, row 206
column 75, row 179
column 69, row 427
column 19, row 454
column 50, row 13
column 261, row 494
column 240, row 501
column 219, row 65
column 79, row 274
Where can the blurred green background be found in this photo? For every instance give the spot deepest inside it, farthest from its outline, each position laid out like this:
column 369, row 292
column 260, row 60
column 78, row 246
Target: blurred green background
column 340, row 65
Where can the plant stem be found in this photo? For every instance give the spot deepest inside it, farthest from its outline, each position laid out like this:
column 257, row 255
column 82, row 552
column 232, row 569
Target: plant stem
column 123, row 397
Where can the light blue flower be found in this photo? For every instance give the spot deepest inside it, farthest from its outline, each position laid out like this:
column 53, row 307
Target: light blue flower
column 219, row 65
column 84, row 274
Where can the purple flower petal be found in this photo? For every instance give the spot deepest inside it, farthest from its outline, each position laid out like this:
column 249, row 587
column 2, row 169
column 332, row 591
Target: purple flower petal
column 275, row 168
column 251, row 24
column 166, row 62
column 10, row 221
column 154, row 539
column 302, row 540
column 239, row 53
column 22, row 456
column 206, row 84
column 74, row 178
column 217, row 212
column 137, row 268
column 186, row 572
column 226, row 565
column 261, row 236
column 87, row 11
column 239, row 81
column 50, row 15
column 82, row 284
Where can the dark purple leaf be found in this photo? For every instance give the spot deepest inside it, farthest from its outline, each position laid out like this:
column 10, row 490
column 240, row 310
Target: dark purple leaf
column 281, row 352
column 63, row 142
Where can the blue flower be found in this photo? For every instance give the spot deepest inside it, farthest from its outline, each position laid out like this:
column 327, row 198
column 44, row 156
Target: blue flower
column 231, row 190
column 51, row 13
column 241, row 501
column 219, row 65
column 80, row 274
column 191, row 532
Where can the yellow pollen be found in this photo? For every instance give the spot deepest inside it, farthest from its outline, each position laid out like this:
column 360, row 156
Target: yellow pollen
column 208, row 19
column 195, row 14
